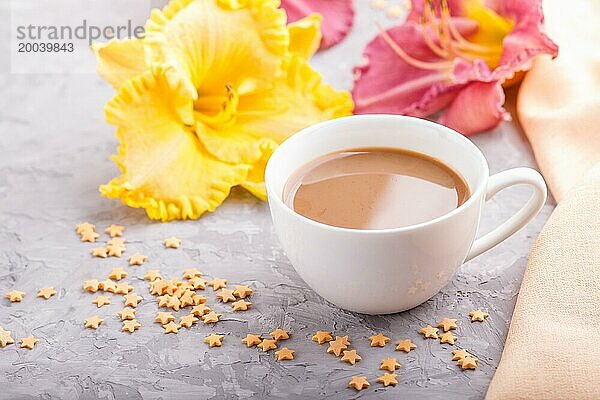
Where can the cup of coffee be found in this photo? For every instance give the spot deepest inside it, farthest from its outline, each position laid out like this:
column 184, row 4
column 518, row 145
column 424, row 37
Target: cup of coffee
column 377, row 212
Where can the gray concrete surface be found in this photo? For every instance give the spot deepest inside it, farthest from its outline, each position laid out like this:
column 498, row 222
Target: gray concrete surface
column 54, row 149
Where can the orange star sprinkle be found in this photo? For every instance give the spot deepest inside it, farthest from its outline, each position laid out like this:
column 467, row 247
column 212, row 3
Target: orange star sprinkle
column 171, row 327
column 240, row 305
column 200, row 310
column 117, row 274
column 130, row 325
column 15, row 296
column 458, row 355
column 172, row 243
column 242, row 291
column 46, row 292
column 115, row 230
column 126, row 314
column 359, row 382
column 198, row 299
column 429, row 332
column 225, row 295
column 84, row 227
column 132, row 299
column 152, row 275
column 379, row 340
column 218, row 283
column 5, row 338
column 322, row 337
column 91, row 285
column 478, row 315
column 390, row 364
column 137, row 259
column 284, row 354
column 164, row 318
column 115, row 251
column 448, row 323
column 188, row 320
column 448, row 337
column 191, row 273
column 468, row 362
column 251, row 340
column 101, row 252
column 214, row 340
column 123, row 288
column 351, row 357
column 211, row 318
column 388, row 379
column 93, row 322
column 100, row 301
column 280, row 334
column 198, row 283
column 405, row 345
column 107, row 285
column 117, row 242
column 89, row 236
column 336, row 346
column 29, row 342
column 267, row 344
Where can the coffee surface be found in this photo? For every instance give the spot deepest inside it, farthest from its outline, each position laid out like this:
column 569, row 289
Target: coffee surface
column 375, row 188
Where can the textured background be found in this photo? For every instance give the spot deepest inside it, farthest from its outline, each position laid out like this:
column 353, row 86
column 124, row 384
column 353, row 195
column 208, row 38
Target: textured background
column 54, row 149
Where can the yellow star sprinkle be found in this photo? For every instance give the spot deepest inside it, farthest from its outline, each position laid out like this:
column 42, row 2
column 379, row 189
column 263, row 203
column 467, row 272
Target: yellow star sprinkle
column 126, row 314
column 458, row 355
column 214, row 340
column 115, row 230
column 191, row 273
column 164, row 318
column 359, row 382
column 242, row 291
column 188, row 320
column 89, row 236
column 198, row 283
column 171, row 327
column 101, row 301
column 336, row 346
column 29, row 342
column 478, row 315
column 251, row 340
column 123, row 288
column 284, row 354
column 101, row 252
column 115, row 251
column 429, row 332
column 152, row 275
column 5, row 338
column 405, row 345
column 91, row 285
column 379, row 340
column 267, row 344
column 198, row 299
column 15, row 296
column 389, row 364
column 211, row 318
column 218, row 283
column 130, row 325
column 117, row 274
column 93, row 322
column 322, row 337
column 280, row 334
column 448, row 337
column 46, row 292
column 137, row 259
column 225, row 295
column 200, row 310
column 84, row 227
column 240, row 305
column 108, row 286
column 468, row 362
column 132, row 299
column 388, row 379
column 351, row 357
column 172, row 243
column 448, row 323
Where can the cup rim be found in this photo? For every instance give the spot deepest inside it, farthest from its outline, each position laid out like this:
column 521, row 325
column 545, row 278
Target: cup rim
column 277, row 198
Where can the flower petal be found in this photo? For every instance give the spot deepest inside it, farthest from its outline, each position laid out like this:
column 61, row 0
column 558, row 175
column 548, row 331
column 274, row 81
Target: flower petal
column 476, row 108
column 305, row 35
column 255, row 181
column 207, row 42
column 338, row 17
column 119, row 60
column 164, row 167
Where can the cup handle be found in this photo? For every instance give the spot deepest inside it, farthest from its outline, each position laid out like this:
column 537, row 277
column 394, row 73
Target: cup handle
column 500, row 181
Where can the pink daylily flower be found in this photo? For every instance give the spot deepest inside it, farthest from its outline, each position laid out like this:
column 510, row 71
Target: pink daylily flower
column 451, row 57
column 338, row 17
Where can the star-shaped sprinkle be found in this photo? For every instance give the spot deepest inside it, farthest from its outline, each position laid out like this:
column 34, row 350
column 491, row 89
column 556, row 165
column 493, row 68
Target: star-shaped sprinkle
column 28, row 342
column 108, row 286
column 379, row 340
column 322, row 337
column 137, row 259
column 100, row 301
column 460, row 354
column 93, row 322
column 191, row 273
column 429, row 332
column 46, row 292
column 359, row 382
column 390, row 364
column 198, row 299
column 336, row 346
column 200, row 310
column 174, row 303
column 164, row 317
column 468, row 362
column 91, row 285
column 280, row 334
column 218, row 283
column 448, row 337
column 5, row 338
column 130, row 325
column 242, row 291
column 405, row 345
column 284, row 354
column 448, row 323
column 152, row 275
column 89, row 236
column 251, row 340
column 198, row 283
column 240, row 305
column 267, row 344
column 225, row 295
column 117, row 274
column 171, row 327
column 388, row 379
column 101, row 252
column 115, row 230
column 351, row 357
column 15, row 296
column 84, row 227
column 132, row 299
column 214, row 340
column 211, row 318
column 126, row 314
column 115, row 251
column 478, row 315
column 187, row 299
column 172, row 243
column 123, row 288
column 188, row 320
column 158, row 286
column 116, row 242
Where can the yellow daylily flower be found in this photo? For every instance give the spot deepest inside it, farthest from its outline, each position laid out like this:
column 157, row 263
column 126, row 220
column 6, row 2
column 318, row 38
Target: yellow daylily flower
column 205, row 98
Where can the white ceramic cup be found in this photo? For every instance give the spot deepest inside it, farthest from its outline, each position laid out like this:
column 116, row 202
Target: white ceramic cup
column 390, row 270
